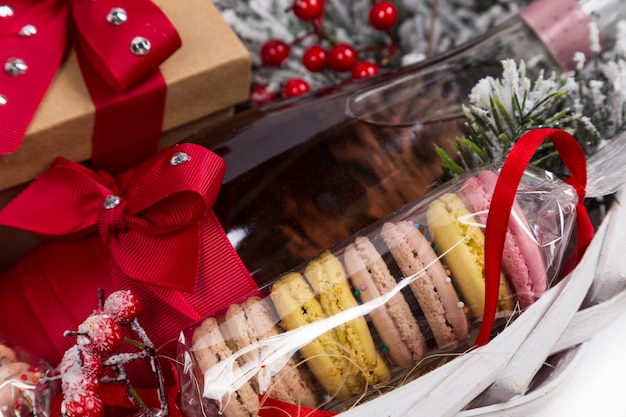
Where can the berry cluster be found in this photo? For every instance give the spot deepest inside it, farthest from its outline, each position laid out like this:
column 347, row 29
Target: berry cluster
column 98, row 339
column 328, row 54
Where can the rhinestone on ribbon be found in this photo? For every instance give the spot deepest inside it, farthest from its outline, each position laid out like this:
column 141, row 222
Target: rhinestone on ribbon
column 179, row 158
column 28, row 30
column 117, row 16
column 140, row 45
column 3, row 100
column 111, row 201
column 6, row 10
column 15, row 67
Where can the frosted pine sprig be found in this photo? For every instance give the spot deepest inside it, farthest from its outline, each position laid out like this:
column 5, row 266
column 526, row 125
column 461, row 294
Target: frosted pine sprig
column 590, row 103
column 500, row 110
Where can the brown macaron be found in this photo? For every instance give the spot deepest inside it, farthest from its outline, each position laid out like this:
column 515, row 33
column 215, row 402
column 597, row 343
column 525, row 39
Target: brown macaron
column 208, row 349
column 394, row 322
column 7, row 355
column 13, row 378
column 430, row 284
column 254, row 320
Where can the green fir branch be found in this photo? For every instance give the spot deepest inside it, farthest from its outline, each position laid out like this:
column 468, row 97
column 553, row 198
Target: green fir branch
column 588, row 103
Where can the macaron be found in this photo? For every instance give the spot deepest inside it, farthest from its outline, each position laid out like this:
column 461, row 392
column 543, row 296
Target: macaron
column 430, row 283
column 209, row 348
column 297, row 306
column 521, row 257
column 461, row 242
column 7, row 355
column 344, row 359
column 14, row 377
column 394, row 322
column 329, row 281
column 246, row 324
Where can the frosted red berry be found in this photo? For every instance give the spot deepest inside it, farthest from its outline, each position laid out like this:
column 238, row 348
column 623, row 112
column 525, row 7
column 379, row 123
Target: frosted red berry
column 82, row 404
column 308, row 9
column 261, row 94
column 314, row 58
column 122, row 306
column 342, row 57
column 383, row 15
column 99, row 335
column 274, row 52
column 79, row 372
column 73, row 382
column 364, row 69
column 92, row 365
column 295, row 87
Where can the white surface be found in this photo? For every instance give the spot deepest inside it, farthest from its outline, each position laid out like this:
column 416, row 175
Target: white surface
column 596, row 386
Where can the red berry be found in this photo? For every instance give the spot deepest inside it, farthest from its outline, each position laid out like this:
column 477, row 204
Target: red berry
column 314, row 58
column 364, row 69
column 82, row 404
column 274, row 52
column 91, row 365
column 79, row 371
column 99, row 335
column 75, row 381
column 295, row 87
column 308, row 9
column 122, row 306
column 261, row 94
column 383, row 15
column 342, row 57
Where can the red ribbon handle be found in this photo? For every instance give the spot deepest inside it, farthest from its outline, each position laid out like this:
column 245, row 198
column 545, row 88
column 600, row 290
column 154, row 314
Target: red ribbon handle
column 504, row 194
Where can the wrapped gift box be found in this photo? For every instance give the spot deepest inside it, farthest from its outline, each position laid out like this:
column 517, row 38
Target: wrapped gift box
column 206, row 76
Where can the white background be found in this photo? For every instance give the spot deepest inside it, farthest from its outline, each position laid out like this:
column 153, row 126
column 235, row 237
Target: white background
column 597, row 385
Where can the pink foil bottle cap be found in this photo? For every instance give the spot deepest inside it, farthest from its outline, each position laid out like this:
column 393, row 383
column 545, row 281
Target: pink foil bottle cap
column 563, row 27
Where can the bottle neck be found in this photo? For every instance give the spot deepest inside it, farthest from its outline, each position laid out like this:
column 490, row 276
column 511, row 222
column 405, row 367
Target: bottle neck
column 565, row 26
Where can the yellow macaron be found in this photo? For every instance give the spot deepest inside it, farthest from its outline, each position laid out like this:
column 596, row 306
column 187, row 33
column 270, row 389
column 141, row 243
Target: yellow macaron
column 460, row 240
column 345, row 359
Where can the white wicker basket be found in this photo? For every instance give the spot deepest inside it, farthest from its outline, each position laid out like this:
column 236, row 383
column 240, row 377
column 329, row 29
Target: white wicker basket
column 507, row 377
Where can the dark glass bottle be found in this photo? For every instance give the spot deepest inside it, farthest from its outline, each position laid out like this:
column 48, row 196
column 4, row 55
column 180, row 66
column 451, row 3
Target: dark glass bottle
column 305, row 173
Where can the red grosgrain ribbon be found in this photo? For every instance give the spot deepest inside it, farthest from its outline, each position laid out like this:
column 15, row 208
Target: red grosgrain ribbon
column 155, row 220
column 34, row 37
column 502, row 201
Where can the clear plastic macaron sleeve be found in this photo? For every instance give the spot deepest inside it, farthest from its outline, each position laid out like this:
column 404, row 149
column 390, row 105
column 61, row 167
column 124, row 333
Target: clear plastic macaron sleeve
column 383, row 307
column 20, row 391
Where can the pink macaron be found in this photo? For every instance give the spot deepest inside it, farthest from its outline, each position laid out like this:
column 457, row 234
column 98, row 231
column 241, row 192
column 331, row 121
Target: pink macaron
column 522, row 260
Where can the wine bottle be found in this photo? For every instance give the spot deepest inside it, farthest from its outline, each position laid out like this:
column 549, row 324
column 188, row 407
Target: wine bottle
column 308, row 172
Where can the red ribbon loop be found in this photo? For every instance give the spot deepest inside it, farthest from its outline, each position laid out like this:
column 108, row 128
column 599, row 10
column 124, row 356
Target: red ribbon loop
column 502, row 201
column 105, row 46
column 108, row 46
column 148, row 218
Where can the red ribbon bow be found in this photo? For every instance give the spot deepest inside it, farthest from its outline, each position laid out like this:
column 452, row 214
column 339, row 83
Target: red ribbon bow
column 150, row 230
column 155, row 220
column 36, row 32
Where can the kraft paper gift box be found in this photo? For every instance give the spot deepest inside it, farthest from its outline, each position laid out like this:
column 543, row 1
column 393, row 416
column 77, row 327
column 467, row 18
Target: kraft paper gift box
column 205, row 78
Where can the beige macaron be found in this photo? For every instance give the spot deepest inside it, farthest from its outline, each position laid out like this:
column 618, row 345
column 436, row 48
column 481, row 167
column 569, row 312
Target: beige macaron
column 394, row 322
column 209, row 348
column 251, row 321
column 430, row 284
